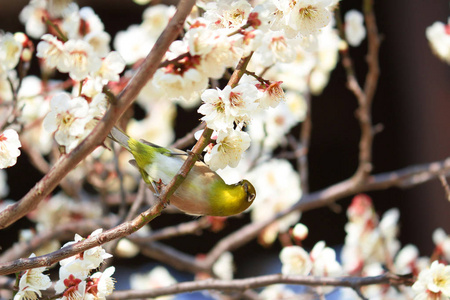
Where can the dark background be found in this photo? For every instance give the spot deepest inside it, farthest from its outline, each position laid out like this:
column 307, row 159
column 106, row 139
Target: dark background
column 412, row 102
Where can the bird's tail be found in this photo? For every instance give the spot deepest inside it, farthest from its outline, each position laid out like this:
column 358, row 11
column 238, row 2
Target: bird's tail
column 120, row 137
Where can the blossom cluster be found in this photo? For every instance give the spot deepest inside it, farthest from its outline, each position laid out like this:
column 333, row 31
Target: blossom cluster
column 371, row 248
column 76, row 277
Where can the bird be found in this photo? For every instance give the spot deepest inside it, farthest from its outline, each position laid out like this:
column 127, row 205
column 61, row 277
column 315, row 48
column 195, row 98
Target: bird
column 203, row 192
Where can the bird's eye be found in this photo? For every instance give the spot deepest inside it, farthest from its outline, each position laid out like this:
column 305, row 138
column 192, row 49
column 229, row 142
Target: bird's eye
column 251, row 197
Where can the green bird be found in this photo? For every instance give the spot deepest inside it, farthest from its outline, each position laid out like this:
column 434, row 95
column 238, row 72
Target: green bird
column 203, row 192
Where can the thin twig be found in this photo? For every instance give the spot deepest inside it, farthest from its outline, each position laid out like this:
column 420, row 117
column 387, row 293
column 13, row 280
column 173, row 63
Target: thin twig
column 445, row 185
column 192, row 227
column 62, row 232
column 305, row 138
column 261, row 281
column 189, row 138
column 363, row 96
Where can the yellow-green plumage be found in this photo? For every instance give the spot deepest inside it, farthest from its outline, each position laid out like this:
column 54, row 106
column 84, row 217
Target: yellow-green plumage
column 203, row 192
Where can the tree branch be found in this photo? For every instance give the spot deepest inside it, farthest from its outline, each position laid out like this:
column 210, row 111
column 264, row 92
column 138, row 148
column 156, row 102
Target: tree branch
column 262, row 281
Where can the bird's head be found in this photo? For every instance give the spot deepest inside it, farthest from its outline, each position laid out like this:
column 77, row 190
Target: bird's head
column 249, row 190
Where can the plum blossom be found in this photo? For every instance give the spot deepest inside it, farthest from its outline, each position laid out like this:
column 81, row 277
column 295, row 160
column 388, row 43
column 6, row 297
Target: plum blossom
column 156, row 17
column 157, row 277
column 306, row 16
column 324, row 261
column 229, row 147
column 52, row 50
column 32, row 16
column 81, row 59
column 216, row 50
column 224, row 108
column 72, row 285
column 100, row 284
column 277, row 292
column 227, row 14
column 86, row 261
column 223, row 268
column 10, row 51
column 433, row 283
column 9, row 148
column 300, row 231
column 68, row 117
column 355, row 32
column 438, row 36
column 295, row 261
column 278, row 187
column 276, row 47
column 32, row 282
column 442, row 241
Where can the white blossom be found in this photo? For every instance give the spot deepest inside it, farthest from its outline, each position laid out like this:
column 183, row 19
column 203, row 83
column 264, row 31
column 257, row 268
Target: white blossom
column 295, row 261
column 433, row 283
column 223, row 268
column 10, row 50
column 156, row 17
column 324, row 261
column 32, row 16
column 223, row 108
column 277, row 292
column 134, row 43
column 406, row 259
column 442, row 242
column 72, row 285
column 9, row 148
column 276, row 47
column 157, row 277
column 438, row 36
column 52, row 50
column 68, row 117
column 81, row 60
column 306, row 16
column 230, row 145
column 86, row 261
column 103, row 284
column 300, row 231
column 112, row 65
column 32, row 282
column 355, row 32
column 227, row 14
column 278, row 187
column 99, row 40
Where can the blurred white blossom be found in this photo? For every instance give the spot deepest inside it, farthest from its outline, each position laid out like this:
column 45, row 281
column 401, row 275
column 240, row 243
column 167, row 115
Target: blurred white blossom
column 295, row 261
column 355, row 32
column 157, row 277
column 9, row 148
column 438, row 36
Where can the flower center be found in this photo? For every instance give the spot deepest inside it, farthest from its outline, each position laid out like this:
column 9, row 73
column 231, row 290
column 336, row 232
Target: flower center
column 308, row 12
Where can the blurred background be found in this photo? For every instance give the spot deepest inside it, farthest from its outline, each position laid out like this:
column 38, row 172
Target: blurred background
column 412, row 102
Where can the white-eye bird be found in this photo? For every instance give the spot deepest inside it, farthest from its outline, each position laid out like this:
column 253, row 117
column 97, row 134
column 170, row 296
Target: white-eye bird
column 203, row 192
